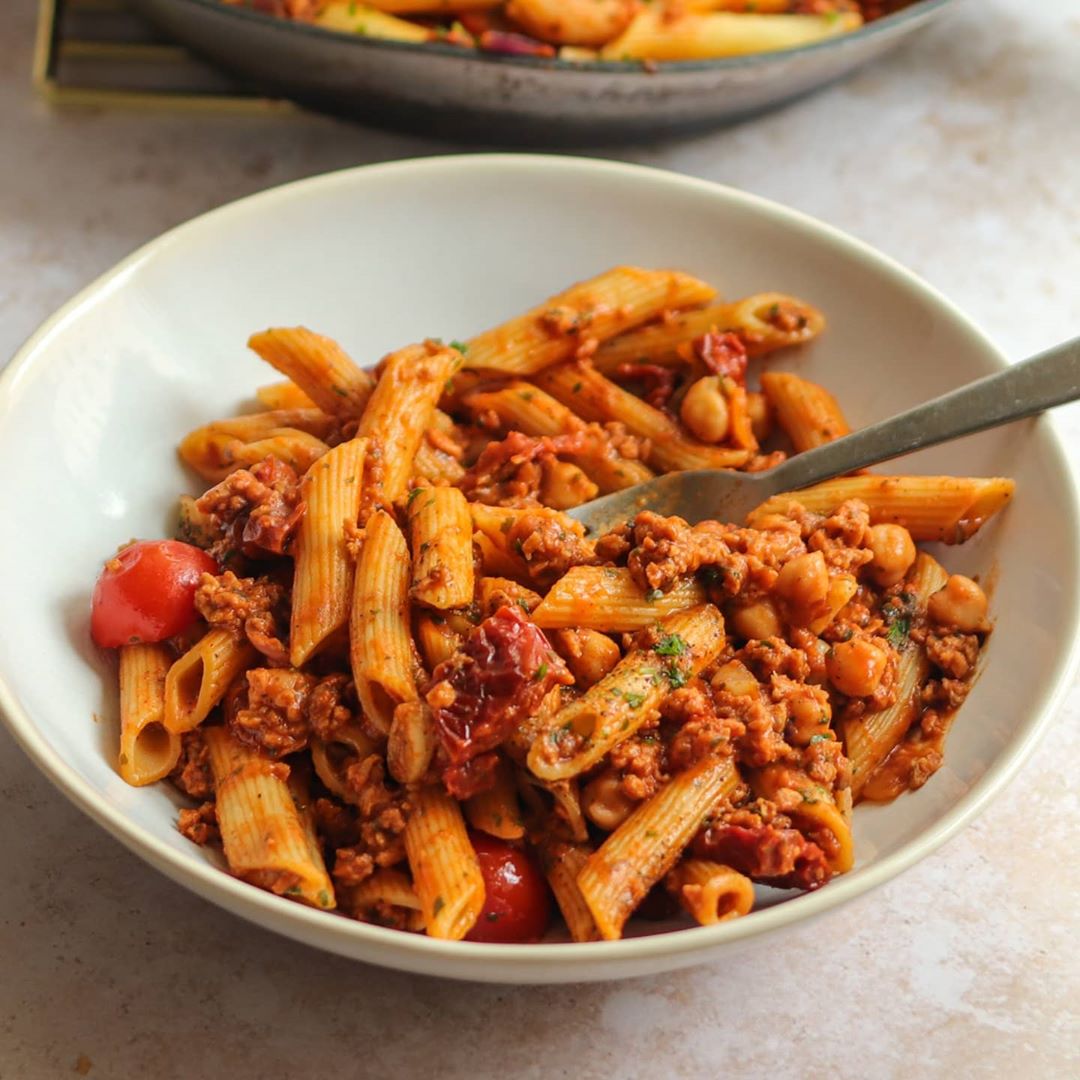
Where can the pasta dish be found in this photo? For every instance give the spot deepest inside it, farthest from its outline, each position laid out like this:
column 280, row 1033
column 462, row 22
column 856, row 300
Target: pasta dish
column 389, row 676
column 588, row 30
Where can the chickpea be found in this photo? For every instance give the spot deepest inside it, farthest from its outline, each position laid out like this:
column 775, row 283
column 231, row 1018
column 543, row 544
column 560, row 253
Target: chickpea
column 810, row 713
column 760, row 412
column 705, row 410
column 589, row 654
column 604, row 802
column 961, row 603
column 755, row 622
column 736, row 678
column 803, row 584
column 894, row 552
column 856, row 667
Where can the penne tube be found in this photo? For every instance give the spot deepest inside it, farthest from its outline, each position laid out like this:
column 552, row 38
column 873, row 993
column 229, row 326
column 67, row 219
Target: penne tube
column 323, row 571
column 657, row 35
column 581, row 733
column 380, row 648
column 595, row 397
column 754, row 318
column 386, row 898
column 869, row 739
column 644, row 848
column 283, row 395
column 562, row 862
column 445, row 869
column 493, row 593
column 331, row 759
column 198, row 680
column 318, row 365
column 949, row 509
column 711, row 892
column 497, row 811
column 401, row 409
column 148, row 751
column 214, row 453
column 441, row 529
column 411, row 743
column 807, row 412
column 434, row 467
column 607, row 598
column 574, row 322
column 264, row 838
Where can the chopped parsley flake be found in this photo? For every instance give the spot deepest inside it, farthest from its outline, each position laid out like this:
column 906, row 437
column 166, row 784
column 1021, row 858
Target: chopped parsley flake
column 898, row 632
column 439, row 904
column 540, row 672
column 670, row 645
column 460, row 346
column 635, row 701
column 819, row 738
column 675, row 676
column 654, row 594
column 413, row 495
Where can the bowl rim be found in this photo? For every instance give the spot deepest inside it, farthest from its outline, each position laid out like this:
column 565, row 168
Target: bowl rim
column 918, row 11
column 419, row 952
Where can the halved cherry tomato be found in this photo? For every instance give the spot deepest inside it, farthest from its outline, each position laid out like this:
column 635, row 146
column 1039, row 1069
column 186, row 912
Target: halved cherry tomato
column 517, row 904
column 147, row 592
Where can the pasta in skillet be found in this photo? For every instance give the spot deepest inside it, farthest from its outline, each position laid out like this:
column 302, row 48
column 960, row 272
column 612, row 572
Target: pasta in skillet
column 647, row 31
column 393, row 675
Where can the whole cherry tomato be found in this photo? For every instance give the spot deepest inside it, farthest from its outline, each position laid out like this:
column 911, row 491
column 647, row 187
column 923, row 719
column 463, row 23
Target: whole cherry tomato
column 517, row 904
column 147, row 592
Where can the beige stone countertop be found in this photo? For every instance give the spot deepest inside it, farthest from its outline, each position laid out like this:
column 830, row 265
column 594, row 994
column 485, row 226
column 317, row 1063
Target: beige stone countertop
column 958, row 155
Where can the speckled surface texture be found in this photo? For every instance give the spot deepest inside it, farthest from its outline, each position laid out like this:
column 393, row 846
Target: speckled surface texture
column 959, row 156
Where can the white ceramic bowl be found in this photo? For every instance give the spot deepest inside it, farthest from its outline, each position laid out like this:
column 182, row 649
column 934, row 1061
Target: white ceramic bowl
column 92, row 407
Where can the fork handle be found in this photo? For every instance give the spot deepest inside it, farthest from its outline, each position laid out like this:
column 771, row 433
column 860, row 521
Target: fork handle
column 1024, row 389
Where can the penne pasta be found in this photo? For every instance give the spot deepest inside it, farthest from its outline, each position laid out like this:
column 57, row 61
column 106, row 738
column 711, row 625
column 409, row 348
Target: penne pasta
column 764, row 323
column 808, row 413
column 264, row 838
column 656, row 35
column 595, row 397
column 401, row 409
column 369, row 21
column 606, row 598
column 445, row 869
column 644, row 848
column 575, row 322
column 318, row 365
column 387, row 898
column 198, row 680
column 562, row 863
column 710, row 892
column 609, row 712
column 496, row 810
column 381, row 649
column 949, row 509
column 323, row 573
column 440, row 530
column 148, row 750
column 411, row 742
column 283, row 395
